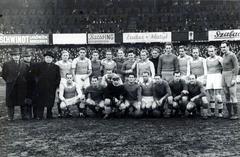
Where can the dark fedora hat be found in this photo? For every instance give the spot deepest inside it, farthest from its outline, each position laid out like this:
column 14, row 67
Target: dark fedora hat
column 26, row 54
column 49, row 53
column 14, row 52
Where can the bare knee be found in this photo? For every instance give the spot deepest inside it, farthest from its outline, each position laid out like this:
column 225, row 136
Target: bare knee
column 218, row 98
column 184, row 99
column 204, row 102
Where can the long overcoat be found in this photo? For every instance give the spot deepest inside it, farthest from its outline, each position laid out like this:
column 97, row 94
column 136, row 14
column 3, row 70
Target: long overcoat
column 14, row 75
column 31, row 83
column 47, row 78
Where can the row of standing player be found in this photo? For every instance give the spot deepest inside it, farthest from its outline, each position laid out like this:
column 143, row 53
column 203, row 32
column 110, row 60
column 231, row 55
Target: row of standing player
column 215, row 71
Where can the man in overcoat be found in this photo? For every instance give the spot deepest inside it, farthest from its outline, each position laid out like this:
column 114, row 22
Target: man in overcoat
column 14, row 74
column 28, row 107
column 47, row 77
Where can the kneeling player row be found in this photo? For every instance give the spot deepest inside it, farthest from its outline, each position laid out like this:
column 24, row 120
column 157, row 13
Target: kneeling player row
column 150, row 97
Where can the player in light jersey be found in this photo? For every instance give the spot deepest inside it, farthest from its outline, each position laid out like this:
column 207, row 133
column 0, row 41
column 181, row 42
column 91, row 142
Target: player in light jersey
column 70, row 94
column 65, row 67
column 168, row 63
column 108, row 63
column 230, row 71
column 214, row 81
column 184, row 61
column 120, row 59
column 82, row 69
column 146, row 94
column 144, row 65
column 198, row 66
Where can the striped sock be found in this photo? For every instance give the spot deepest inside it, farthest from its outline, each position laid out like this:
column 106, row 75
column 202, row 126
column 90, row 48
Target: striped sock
column 212, row 106
column 220, row 107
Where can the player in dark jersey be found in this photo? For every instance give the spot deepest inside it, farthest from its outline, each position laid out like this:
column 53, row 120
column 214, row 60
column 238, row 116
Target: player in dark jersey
column 161, row 96
column 107, row 78
column 155, row 58
column 197, row 97
column 127, row 65
column 94, row 96
column 96, row 64
column 168, row 63
column 133, row 98
column 114, row 95
column 179, row 94
column 229, row 74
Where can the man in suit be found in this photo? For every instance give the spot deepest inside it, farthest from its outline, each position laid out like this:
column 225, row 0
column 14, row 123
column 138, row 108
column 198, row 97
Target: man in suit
column 47, row 76
column 14, row 74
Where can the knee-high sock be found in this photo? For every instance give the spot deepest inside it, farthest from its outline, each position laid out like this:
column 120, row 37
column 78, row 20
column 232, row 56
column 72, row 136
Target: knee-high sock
column 229, row 108
column 220, row 107
column 212, row 106
column 235, row 108
column 81, row 109
column 59, row 108
column 10, row 112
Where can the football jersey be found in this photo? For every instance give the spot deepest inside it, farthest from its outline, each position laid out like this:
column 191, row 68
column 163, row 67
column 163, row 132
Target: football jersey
column 65, row 67
column 81, row 66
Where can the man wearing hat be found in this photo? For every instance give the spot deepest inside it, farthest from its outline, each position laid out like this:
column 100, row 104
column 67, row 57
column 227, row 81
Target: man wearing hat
column 47, row 77
column 14, row 74
column 28, row 105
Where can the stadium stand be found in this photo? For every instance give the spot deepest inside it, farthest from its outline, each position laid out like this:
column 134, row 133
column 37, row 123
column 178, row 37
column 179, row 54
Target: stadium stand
column 117, row 16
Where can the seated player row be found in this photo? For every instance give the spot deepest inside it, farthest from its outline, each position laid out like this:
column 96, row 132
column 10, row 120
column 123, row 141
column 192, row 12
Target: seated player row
column 157, row 97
